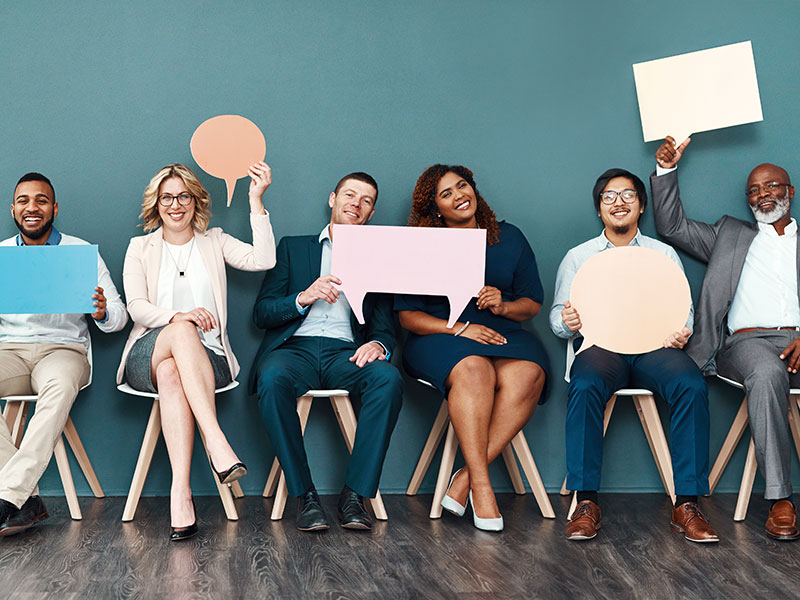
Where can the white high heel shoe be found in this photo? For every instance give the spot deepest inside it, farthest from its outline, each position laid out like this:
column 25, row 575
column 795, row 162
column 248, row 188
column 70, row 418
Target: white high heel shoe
column 494, row 524
column 451, row 505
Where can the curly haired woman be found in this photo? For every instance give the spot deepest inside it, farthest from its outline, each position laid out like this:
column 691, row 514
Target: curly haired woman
column 492, row 370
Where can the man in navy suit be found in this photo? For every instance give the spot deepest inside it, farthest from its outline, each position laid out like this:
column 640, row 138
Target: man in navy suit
column 312, row 340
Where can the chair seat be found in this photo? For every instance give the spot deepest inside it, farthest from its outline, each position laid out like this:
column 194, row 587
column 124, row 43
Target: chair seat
column 126, row 389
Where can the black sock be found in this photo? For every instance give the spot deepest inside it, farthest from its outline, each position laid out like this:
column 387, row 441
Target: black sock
column 684, row 499
column 588, row 495
column 789, row 498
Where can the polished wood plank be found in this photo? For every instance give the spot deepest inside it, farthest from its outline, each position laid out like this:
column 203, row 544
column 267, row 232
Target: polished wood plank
column 411, row 556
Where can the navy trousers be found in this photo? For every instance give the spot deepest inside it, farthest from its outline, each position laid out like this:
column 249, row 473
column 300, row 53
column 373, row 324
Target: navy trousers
column 669, row 373
column 304, row 363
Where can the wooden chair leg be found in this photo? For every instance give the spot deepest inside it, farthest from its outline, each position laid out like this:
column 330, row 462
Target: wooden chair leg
column 151, row 435
column 60, row 452
column 236, row 490
column 445, row 470
column 794, row 423
column 606, row 418
column 728, row 446
column 523, row 451
column 651, row 423
column 572, row 505
column 746, row 487
column 513, row 470
column 83, row 459
column 272, row 479
column 223, row 489
column 431, row 444
column 348, row 424
column 282, row 493
column 18, row 430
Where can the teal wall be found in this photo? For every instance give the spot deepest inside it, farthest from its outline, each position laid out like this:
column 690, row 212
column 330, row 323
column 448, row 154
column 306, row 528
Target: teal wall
column 536, row 97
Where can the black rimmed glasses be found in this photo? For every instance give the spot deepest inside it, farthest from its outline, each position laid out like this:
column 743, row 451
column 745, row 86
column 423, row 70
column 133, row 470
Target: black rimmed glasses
column 610, row 196
column 769, row 187
column 183, row 199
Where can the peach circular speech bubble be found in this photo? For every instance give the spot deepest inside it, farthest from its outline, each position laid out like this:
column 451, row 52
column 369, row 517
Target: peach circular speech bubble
column 630, row 299
column 225, row 146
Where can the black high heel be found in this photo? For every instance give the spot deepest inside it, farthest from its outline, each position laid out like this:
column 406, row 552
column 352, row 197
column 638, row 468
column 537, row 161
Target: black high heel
column 237, row 471
column 176, row 534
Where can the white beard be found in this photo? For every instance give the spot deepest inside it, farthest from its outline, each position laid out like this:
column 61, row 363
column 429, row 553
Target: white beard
column 781, row 208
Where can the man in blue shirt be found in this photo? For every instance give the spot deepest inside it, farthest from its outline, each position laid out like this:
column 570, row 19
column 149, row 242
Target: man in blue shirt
column 620, row 199
column 313, row 340
column 43, row 354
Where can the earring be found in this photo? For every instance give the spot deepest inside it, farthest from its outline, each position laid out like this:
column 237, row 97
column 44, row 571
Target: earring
column 439, row 215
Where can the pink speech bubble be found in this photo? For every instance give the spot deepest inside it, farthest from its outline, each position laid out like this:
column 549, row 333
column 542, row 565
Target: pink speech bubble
column 225, row 146
column 409, row 260
column 630, row 299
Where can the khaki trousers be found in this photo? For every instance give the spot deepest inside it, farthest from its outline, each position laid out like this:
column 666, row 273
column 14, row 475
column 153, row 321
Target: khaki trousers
column 54, row 372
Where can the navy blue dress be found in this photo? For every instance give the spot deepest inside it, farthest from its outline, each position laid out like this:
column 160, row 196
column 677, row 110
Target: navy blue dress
column 510, row 267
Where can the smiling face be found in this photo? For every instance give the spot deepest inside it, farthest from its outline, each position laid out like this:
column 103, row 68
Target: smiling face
column 33, row 210
column 769, row 194
column 353, row 204
column 456, row 201
column 620, row 217
column 175, row 218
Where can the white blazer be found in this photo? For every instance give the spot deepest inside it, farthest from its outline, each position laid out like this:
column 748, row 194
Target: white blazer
column 143, row 263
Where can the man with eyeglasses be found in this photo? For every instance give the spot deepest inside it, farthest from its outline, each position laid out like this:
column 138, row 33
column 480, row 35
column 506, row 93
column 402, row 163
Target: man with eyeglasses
column 43, row 354
column 748, row 317
column 620, row 199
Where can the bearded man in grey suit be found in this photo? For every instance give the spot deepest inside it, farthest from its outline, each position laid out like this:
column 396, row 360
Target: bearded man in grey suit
column 747, row 322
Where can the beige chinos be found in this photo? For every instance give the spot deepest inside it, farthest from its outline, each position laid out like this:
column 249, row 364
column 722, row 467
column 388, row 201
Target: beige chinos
column 54, row 372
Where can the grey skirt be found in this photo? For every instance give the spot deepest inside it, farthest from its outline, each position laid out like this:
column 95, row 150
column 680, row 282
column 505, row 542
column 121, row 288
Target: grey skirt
column 137, row 367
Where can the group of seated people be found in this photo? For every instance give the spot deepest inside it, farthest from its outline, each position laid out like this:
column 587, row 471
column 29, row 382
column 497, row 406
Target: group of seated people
column 493, row 371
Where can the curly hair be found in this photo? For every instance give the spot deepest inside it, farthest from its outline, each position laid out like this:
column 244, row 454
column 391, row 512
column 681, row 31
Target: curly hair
column 202, row 201
column 424, row 212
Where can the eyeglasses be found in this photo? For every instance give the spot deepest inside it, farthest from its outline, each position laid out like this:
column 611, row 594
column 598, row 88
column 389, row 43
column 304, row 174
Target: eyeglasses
column 610, row 196
column 183, row 199
column 769, row 187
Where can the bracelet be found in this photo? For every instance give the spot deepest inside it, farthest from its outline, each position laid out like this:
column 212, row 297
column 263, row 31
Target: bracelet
column 460, row 331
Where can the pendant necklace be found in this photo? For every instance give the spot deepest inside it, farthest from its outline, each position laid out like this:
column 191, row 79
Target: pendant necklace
column 181, row 270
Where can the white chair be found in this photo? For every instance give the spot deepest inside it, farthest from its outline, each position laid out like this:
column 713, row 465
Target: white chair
column 15, row 413
column 346, row 417
column 518, row 444
column 738, row 426
column 151, row 435
column 645, row 404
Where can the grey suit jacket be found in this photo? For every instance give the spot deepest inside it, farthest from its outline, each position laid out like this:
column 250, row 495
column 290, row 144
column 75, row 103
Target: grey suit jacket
column 723, row 246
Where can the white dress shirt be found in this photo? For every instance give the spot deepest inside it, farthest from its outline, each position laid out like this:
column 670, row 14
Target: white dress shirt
column 767, row 292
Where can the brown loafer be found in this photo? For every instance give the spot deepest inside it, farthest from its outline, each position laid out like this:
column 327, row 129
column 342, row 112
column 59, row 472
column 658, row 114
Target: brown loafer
column 782, row 521
column 688, row 520
column 585, row 521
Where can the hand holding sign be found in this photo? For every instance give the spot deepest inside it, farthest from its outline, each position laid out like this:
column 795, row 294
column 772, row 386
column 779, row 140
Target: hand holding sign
column 226, row 146
column 409, row 260
column 698, row 91
column 631, row 300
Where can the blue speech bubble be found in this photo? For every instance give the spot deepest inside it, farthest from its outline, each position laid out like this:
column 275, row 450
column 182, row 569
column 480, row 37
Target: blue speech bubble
column 47, row 279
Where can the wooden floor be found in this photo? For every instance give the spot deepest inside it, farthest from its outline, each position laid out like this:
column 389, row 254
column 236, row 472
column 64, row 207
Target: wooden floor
column 410, row 556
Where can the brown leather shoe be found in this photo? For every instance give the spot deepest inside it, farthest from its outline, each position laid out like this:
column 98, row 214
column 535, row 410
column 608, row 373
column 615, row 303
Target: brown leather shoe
column 782, row 521
column 688, row 520
column 585, row 521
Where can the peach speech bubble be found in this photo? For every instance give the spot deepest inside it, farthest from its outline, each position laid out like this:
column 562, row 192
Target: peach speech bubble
column 433, row 261
column 225, row 146
column 630, row 299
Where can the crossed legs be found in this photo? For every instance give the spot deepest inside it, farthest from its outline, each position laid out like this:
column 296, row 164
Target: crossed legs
column 490, row 400
column 184, row 378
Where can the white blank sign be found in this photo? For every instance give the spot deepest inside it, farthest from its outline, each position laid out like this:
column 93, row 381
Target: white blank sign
column 698, row 91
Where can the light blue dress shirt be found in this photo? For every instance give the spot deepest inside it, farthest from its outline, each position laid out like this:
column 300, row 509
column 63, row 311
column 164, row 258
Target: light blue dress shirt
column 579, row 255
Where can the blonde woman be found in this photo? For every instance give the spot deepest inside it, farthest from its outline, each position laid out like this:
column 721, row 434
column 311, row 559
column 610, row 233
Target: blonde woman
column 175, row 285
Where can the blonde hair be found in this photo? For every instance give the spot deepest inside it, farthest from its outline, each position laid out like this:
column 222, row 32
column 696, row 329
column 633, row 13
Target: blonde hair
column 202, row 201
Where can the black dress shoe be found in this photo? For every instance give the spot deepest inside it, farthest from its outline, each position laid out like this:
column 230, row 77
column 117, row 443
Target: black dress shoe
column 176, row 534
column 310, row 516
column 237, row 471
column 29, row 515
column 352, row 512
